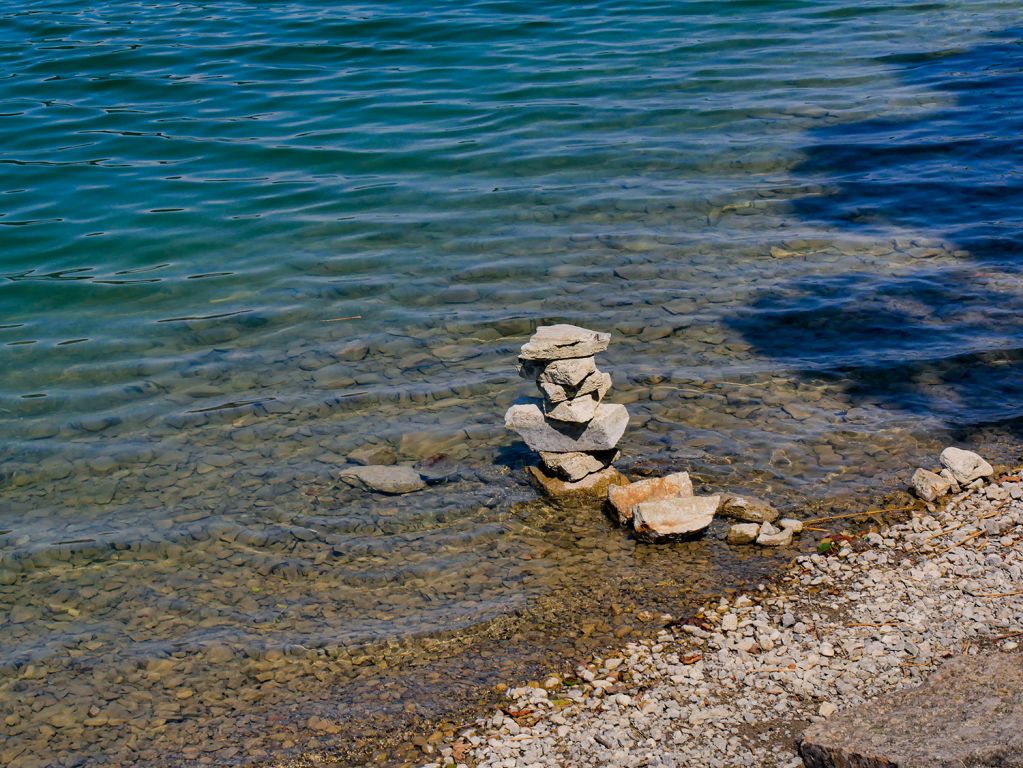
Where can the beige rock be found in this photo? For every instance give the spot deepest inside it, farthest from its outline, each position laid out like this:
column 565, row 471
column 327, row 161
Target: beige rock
column 770, row 536
column 576, row 465
column 791, row 524
column 579, row 410
column 558, row 342
column 679, row 517
column 743, row 533
column 592, row 488
column 749, row 509
column 623, row 498
column 596, row 384
column 929, row 486
column 568, row 373
column 540, row 434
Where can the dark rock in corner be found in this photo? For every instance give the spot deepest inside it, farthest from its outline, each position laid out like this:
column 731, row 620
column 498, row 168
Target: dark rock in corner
column 968, row 714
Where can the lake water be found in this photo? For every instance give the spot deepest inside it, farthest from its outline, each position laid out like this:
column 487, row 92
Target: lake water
column 239, row 241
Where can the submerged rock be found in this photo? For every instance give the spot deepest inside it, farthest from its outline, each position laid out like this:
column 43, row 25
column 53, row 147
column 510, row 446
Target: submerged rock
column 541, row 434
column 373, row 453
column 576, row 465
column 557, row 342
column 592, row 487
column 743, row 533
column 929, row 486
column 623, row 499
column 965, row 466
column 747, row 508
column 384, row 479
column 968, row 714
column 679, row 517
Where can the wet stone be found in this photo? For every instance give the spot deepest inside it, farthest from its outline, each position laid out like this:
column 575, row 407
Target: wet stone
column 674, row 518
column 622, row 500
column 384, row 479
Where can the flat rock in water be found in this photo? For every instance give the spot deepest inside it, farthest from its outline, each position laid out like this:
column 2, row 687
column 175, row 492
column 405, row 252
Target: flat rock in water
column 559, row 342
column 968, row 714
column 749, row 509
column 965, row 466
column 593, row 487
column 578, row 410
column 622, row 499
column 929, row 486
column 576, row 465
column 384, row 479
column 542, row 434
column 680, row 517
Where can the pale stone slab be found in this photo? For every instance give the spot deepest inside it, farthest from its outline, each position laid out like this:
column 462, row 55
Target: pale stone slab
column 591, row 489
column 597, row 383
column 965, row 466
column 680, row 517
column 384, row 479
column 542, row 434
column 563, row 341
column 749, row 509
column 929, row 486
column 743, row 533
column 578, row 410
column 576, row 465
column 623, row 499
column 968, row 714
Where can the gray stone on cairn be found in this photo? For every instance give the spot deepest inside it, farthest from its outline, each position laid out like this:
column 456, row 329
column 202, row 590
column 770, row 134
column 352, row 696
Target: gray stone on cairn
column 562, row 342
column 571, row 428
column 543, row 434
column 576, row 465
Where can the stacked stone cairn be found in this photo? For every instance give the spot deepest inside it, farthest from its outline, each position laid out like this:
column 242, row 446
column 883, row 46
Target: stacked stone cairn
column 572, row 429
column 576, row 434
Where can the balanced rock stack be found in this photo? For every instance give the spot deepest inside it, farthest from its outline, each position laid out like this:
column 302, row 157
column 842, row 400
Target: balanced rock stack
column 572, row 429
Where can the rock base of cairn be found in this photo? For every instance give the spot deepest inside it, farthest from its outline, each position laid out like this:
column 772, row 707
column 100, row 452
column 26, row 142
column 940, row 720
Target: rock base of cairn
column 570, row 426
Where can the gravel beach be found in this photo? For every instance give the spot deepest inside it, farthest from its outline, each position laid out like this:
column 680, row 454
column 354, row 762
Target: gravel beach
column 736, row 684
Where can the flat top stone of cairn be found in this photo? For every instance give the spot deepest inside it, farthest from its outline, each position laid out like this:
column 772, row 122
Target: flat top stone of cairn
column 563, row 341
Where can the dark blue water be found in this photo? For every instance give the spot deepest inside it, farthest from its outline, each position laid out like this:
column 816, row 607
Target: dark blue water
column 239, row 241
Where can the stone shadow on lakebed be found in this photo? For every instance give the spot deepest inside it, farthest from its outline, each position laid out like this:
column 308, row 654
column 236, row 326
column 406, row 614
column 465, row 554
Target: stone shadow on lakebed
column 944, row 339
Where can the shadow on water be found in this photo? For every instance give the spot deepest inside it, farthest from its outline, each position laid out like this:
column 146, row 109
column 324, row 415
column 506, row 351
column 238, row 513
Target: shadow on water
column 944, row 338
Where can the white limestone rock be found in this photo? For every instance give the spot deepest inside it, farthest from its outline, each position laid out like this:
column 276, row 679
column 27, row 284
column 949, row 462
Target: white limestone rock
column 542, row 434
column 929, row 486
column 965, row 466
column 681, row 517
column 563, row 341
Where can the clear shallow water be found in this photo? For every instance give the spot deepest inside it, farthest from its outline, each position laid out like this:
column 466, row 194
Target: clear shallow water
column 239, row 241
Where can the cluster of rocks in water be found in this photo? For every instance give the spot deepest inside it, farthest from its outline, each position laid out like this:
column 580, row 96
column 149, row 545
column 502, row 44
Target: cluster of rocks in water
column 575, row 432
column 576, row 435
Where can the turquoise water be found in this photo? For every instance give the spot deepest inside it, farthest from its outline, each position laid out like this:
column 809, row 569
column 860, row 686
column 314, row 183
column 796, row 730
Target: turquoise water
column 239, row 241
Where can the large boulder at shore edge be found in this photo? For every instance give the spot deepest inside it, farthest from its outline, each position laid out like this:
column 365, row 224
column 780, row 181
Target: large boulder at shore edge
column 965, row 466
column 968, row 714
column 682, row 517
column 623, row 499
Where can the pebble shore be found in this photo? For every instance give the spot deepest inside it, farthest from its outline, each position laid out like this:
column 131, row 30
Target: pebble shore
column 736, row 684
